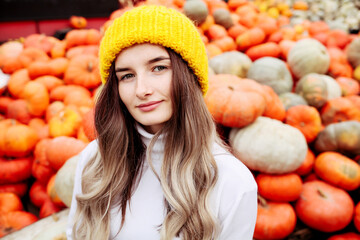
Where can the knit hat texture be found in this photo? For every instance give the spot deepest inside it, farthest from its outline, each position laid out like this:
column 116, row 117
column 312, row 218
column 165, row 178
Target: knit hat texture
column 156, row 25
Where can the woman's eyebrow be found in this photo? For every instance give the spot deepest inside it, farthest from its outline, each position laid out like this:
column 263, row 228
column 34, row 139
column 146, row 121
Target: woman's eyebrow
column 157, row 59
column 122, row 69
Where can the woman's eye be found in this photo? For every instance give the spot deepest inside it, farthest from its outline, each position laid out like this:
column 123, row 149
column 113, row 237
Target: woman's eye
column 159, row 68
column 126, row 76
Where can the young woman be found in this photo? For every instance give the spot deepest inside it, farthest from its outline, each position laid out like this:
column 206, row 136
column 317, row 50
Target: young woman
column 158, row 169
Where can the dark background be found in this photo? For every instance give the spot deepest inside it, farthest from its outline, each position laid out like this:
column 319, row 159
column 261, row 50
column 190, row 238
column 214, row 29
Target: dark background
column 22, row 10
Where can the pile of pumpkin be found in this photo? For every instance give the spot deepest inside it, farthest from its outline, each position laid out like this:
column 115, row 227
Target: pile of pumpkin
column 285, row 97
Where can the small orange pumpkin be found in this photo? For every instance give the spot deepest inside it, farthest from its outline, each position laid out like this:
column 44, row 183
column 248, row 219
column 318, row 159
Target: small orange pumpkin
column 275, row 220
column 279, row 188
column 306, row 119
column 78, row 22
column 83, row 70
column 338, row 170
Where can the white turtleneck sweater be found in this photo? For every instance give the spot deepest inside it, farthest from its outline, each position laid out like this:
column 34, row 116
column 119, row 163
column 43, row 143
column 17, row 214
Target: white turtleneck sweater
column 233, row 200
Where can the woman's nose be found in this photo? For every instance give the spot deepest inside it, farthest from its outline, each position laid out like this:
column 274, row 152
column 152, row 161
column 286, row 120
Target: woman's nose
column 143, row 88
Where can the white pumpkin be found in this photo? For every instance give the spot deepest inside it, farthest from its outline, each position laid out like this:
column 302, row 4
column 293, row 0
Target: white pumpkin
column 269, row 146
column 272, row 72
column 64, row 181
column 308, row 56
column 317, row 89
column 232, row 62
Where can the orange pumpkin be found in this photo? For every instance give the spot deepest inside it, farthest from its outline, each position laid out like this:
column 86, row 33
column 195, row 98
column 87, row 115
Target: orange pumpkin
column 15, row 170
column 50, row 82
column 339, row 110
column 274, row 220
column 345, row 236
column 78, row 37
column 41, row 128
column 14, row 221
column 233, row 102
column 88, row 124
column 19, row 189
column 249, row 38
column 78, row 22
column 59, row 93
column 216, row 31
column 37, row 98
column 348, row 86
column 61, row 148
column 48, row 208
column 38, row 194
column 65, row 123
column 324, row 207
column 19, row 110
column 279, row 188
column 84, row 71
column 82, row 50
column 306, row 119
column 17, row 82
column 55, row 67
column 9, row 53
column 30, row 55
column 269, row 49
column 79, row 99
column 41, row 168
column 16, row 139
column 40, row 41
column 10, row 202
column 308, row 164
column 357, row 216
column 338, row 170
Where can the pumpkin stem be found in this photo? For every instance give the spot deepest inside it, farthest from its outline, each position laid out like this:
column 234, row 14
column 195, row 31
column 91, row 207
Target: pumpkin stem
column 321, row 193
column 90, row 66
column 261, row 201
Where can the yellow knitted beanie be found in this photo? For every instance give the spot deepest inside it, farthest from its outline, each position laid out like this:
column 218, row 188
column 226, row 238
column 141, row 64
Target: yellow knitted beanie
column 157, row 25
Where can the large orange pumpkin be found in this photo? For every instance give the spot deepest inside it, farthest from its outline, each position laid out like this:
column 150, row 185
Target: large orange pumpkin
column 324, row 207
column 233, row 102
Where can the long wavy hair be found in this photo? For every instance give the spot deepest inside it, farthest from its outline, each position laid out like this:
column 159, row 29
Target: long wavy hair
column 188, row 173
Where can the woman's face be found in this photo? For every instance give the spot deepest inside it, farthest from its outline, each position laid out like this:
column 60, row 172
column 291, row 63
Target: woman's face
column 144, row 73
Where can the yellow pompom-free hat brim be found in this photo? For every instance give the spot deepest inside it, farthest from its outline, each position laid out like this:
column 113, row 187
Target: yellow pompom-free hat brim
column 156, row 25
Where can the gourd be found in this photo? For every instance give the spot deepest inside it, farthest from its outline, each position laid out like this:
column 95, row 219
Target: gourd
column 343, row 137
column 223, row 17
column 272, row 72
column 308, row 56
column 197, row 11
column 269, row 146
column 232, row 62
column 353, row 52
column 290, row 99
column 64, row 181
column 317, row 89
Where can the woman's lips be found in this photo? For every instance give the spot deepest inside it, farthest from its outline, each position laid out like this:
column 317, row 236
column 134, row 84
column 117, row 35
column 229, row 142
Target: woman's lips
column 146, row 107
